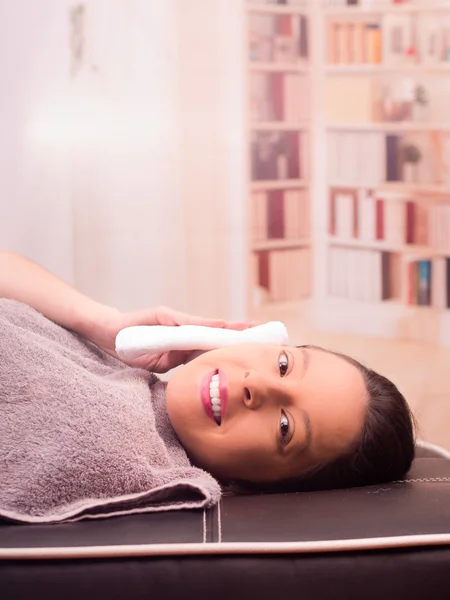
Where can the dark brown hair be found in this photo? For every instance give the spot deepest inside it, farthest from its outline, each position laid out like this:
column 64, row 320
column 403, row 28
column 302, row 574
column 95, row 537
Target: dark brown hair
column 383, row 451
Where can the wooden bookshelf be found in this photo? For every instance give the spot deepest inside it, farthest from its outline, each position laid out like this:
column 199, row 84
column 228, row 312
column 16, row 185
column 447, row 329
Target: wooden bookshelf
column 385, row 220
column 278, row 89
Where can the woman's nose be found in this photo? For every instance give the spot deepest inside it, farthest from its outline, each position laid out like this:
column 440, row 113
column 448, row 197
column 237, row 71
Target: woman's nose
column 256, row 390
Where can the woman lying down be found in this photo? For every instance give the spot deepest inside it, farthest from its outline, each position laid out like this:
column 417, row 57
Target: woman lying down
column 84, row 435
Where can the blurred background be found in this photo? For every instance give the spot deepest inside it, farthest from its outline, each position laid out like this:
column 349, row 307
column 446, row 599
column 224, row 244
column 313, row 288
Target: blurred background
column 283, row 160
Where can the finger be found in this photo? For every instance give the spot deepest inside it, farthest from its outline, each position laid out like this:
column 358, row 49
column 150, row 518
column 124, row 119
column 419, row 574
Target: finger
column 180, row 318
column 168, row 316
column 240, row 325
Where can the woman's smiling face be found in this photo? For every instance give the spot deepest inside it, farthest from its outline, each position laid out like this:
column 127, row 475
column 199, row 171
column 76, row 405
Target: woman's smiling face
column 282, row 410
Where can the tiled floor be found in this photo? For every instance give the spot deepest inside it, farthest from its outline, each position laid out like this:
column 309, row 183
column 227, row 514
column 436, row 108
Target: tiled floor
column 421, row 371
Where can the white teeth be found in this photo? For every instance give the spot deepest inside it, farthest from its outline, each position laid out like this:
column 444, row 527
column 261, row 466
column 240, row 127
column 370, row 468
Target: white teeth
column 214, row 394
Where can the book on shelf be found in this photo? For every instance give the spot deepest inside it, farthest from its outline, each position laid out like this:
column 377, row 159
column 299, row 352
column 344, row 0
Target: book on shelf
column 278, row 155
column 284, row 275
column 363, row 275
column 428, row 281
column 370, row 158
column 439, row 228
column 280, row 214
column 356, row 158
column 278, row 38
column 397, row 219
column 278, row 97
column 440, row 283
column 353, row 42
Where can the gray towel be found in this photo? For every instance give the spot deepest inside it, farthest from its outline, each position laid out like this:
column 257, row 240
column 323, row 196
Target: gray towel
column 81, row 434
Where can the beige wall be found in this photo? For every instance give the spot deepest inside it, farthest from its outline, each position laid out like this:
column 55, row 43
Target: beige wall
column 123, row 172
column 213, row 165
column 35, row 203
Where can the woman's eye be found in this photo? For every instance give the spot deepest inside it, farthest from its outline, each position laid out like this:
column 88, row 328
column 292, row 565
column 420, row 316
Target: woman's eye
column 283, row 363
column 284, row 427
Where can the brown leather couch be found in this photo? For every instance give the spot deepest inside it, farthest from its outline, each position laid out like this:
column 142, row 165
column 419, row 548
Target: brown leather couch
column 390, row 541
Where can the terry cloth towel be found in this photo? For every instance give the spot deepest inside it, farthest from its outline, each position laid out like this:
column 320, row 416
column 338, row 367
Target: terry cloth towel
column 81, row 434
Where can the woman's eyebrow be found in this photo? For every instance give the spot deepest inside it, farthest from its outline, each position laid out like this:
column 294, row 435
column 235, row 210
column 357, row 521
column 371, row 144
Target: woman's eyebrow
column 308, row 430
column 305, row 365
column 305, row 416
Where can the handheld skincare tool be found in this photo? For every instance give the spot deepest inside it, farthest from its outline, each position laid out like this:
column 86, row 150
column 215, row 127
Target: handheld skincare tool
column 133, row 342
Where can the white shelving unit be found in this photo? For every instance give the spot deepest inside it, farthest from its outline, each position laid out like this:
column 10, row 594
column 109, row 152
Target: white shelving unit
column 301, row 68
column 393, row 317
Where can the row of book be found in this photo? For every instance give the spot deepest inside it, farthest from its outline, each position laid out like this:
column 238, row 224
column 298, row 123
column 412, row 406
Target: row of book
column 396, row 39
column 395, row 218
column 439, row 227
column 378, row 216
column 278, row 38
column 371, row 158
column 280, row 214
column 362, row 275
column 278, row 97
column 284, row 275
column 374, row 276
column 278, row 155
column 428, row 282
column 354, row 42
column 356, row 158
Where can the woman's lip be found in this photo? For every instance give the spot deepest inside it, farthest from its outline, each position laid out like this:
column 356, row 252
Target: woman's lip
column 223, row 391
column 206, row 398
column 204, row 395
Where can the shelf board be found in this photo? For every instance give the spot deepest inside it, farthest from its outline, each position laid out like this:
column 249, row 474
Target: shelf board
column 400, row 126
column 372, row 69
column 278, row 184
column 382, row 245
column 353, row 11
column 276, row 10
column 280, row 244
column 278, row 67
column 278, row 125
column 415, row 188
column 398, row 187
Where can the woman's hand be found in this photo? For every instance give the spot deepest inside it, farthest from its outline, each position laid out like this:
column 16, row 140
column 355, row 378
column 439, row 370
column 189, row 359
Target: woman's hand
column 106, row 333
column 24, row 280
